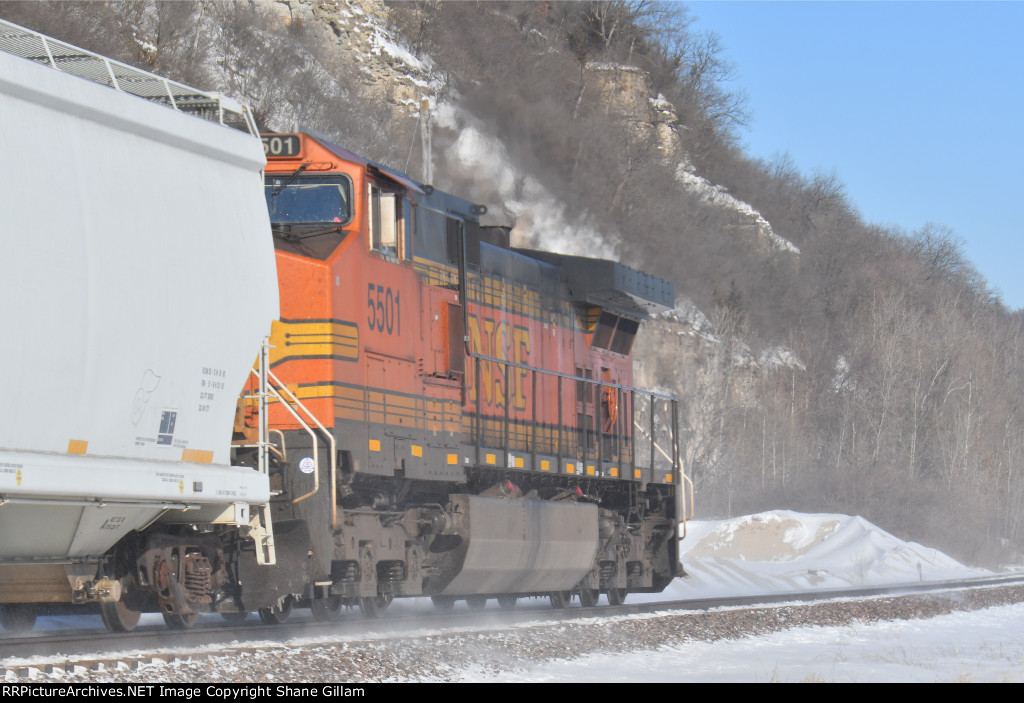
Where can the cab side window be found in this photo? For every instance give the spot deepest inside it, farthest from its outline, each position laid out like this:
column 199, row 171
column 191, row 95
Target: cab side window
column 384, row 212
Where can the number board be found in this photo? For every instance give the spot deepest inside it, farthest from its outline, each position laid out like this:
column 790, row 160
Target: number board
column 281, row 146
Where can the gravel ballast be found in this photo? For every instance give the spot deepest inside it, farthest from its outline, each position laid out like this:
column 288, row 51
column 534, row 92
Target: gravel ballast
column 443, row 655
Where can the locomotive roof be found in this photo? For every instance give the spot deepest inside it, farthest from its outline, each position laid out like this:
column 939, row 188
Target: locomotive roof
column 611, row 285
column 352, row 157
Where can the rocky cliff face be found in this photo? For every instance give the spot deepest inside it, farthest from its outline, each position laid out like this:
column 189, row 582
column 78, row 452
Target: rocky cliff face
column 626, row 92
column 361, row 39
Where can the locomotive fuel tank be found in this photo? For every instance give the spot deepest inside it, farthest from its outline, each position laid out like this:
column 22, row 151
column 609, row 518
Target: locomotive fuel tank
column 522, row 546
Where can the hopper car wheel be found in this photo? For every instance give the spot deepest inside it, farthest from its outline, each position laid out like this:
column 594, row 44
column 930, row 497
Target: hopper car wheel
column 117, row 617
column 589, row 596
column 443, row 603
column 17, row 617
column 476, row 602
column 277, row 614
column 507, row 601
column 326, row 609
column 375, row 607
column 616, row 596
column 235, row 618
column 560, row 599
column 176, row 621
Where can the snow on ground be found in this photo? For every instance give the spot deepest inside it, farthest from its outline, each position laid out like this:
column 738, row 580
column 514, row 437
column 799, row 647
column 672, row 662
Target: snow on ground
column 782, row 551
column 980, row 646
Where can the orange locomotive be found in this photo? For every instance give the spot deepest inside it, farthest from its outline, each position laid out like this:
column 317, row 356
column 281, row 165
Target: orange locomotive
column 470, row 429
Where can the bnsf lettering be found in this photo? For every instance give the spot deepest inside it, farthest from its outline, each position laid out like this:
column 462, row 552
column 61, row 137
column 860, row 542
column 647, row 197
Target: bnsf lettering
column 499, row 339
column 384, row 312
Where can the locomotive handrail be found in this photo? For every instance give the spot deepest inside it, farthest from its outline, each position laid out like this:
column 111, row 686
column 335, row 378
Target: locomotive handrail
column 264, row 375
column 444, row 213
column 282, row 453
column 686, row 516
column 653, row 443
column 685, row 509
column 675, row 464
column 270, row 385
column 288, row 404
column 572, row 377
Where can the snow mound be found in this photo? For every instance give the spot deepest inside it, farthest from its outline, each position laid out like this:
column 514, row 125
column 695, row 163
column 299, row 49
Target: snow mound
column 782, row 551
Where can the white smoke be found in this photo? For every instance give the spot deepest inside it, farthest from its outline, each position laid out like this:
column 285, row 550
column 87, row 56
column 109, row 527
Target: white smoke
column 539, row 219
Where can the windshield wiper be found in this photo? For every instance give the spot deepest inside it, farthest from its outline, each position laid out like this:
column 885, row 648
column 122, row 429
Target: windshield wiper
column 288, row 180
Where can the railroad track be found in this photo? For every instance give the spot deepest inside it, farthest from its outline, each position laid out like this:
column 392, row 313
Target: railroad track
column 46, row 652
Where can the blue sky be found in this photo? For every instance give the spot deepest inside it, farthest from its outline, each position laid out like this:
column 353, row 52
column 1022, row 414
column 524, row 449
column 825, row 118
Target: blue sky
column 917, row 107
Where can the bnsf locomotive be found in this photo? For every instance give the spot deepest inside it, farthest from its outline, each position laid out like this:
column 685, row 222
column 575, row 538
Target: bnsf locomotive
column 434, row 413
column 476, row 399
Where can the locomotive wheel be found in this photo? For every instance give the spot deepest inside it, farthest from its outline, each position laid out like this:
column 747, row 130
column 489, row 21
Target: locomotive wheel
column 507, row 601
column 616, row 596
column 476, row 602
column 589, row 596
column 176, row 621
column 235, row 618
column 375, row 607
column 17, row 617
column 277, row 614
column 443, row 603
column 326, row 609
column 117, row 617
column 560, row 599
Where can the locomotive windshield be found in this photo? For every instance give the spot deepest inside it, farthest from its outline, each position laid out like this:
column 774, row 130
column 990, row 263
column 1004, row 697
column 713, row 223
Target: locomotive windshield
column 309, row 199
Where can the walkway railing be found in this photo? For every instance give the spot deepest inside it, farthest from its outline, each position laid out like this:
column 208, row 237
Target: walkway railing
column 67, row 58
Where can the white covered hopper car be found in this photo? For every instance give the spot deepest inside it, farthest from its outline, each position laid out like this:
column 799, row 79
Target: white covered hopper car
column 133, row 227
